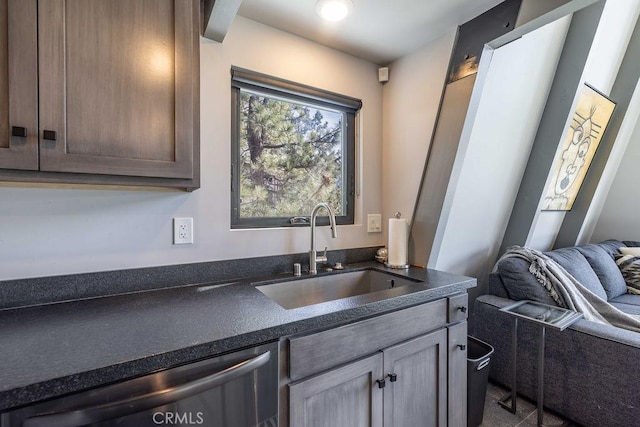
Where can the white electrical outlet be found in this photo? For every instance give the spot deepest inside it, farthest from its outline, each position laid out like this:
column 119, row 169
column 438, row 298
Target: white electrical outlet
column 374, row 223
column 182, row 231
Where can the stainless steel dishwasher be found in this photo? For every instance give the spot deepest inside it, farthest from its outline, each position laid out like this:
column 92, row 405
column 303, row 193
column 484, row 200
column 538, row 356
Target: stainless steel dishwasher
column 234, row 390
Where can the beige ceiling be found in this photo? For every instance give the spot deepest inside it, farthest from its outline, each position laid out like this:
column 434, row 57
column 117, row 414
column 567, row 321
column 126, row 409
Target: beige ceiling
column 379, row 31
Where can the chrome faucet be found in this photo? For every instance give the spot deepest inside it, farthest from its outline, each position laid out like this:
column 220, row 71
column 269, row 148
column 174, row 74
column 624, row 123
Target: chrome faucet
column 314, row 259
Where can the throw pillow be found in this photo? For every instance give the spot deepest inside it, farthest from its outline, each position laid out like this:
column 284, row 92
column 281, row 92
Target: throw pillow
column 630, row 268
column 630, row 251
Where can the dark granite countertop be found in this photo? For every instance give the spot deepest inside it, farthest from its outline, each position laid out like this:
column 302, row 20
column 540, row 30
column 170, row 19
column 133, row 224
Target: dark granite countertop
column 54, row 349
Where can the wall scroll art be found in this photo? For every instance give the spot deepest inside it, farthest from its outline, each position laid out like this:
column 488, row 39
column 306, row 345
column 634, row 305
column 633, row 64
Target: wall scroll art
column 579, row 145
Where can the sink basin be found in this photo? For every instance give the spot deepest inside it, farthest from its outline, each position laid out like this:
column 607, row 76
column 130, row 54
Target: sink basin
column 318, row 289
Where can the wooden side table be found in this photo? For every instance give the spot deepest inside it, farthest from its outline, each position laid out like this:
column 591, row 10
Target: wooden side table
column 545, row 316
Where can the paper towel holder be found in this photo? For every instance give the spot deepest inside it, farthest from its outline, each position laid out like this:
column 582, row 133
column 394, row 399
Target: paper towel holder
column 397, row 215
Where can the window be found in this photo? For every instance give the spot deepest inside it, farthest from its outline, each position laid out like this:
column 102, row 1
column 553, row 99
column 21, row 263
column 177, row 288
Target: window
column 293, row 146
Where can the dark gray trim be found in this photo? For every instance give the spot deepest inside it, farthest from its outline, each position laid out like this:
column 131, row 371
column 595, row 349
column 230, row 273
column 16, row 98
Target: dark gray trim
column 44, row 290
column 262, row 81
column 235, row 154
column 473, row 35
column 349, row 196
column 621, row 93
column 438, row 169
column 273, row 86
column 416, row 241
column 445, row 138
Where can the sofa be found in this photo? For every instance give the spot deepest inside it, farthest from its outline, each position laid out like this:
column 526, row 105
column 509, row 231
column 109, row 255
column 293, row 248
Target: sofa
column 592, row 370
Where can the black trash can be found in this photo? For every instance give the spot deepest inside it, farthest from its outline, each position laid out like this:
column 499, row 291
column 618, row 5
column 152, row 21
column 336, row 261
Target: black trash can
column 478, row 364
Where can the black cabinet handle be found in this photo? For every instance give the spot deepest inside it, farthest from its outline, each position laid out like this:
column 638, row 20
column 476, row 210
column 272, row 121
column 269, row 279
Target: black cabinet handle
column 49, row 135
column 381, row 383
column 462, row 346
column 462, row 308
column 392, row 377
column 19, row 131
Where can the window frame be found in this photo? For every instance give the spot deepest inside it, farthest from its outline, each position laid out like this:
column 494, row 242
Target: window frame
column 295, row 92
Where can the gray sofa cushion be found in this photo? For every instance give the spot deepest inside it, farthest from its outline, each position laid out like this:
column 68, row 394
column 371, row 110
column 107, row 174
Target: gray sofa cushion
column 606, row 269
column 627, row 299
column 611, row 246
column 520, row 284
column 628, row 303
column 496, row 287
column 577, row 265
column 627, row 308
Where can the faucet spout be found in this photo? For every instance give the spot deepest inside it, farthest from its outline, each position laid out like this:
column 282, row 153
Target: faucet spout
column 314, row 259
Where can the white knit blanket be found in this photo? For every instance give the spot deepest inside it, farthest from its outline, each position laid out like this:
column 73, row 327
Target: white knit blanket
column 567, row 292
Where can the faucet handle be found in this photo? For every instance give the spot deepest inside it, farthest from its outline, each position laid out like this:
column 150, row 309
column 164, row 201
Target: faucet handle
column 322, row 258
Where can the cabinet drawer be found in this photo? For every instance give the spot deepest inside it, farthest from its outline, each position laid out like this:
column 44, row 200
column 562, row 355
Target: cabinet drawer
column 315, row 353
column 458, row 308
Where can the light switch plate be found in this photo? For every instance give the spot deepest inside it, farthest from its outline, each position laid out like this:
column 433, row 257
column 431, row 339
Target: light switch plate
column 374, row 223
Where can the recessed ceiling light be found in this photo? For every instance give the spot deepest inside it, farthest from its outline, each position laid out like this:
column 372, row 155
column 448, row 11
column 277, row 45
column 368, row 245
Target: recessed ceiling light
column 333, row 10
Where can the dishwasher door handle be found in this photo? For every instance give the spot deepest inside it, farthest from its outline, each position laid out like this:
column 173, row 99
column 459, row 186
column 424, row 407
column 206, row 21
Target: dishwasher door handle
column 143, row 402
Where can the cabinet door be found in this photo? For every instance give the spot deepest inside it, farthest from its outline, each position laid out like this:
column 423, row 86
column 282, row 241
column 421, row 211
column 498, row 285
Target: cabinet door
column 18, row 85
column 458, row 375
column 346, row 396
column 418, row 396
column 118, row 86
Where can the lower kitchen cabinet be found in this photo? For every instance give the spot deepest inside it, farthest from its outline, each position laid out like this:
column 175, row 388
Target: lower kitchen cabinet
column 415, row 392
column 346, row 396
column 371, row 374
column 402, row 386
column 457, row 407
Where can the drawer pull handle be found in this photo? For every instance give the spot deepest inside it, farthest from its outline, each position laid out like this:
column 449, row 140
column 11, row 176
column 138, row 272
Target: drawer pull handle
column 462, row 346
column 381, row 383
column 462, row 308
column 49, row 135
column 19, row 131
column 393, row 377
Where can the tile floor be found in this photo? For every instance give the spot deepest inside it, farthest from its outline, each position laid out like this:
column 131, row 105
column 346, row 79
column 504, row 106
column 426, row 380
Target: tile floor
column 496, row 416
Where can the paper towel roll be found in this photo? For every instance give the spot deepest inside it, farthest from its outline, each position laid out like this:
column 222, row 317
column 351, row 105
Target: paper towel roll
column 397, row 242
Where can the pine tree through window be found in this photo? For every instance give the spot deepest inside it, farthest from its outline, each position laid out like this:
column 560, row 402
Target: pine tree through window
column 293, row 147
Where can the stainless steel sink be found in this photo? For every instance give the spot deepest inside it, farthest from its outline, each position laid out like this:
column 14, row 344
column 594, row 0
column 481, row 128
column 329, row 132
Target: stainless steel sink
column 317, row 289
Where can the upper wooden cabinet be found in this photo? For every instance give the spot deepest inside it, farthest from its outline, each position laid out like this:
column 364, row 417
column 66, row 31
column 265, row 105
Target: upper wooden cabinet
column 18, row 85
column 106, row 89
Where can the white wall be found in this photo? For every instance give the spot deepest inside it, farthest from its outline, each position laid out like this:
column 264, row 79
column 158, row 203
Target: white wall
column 410, row 104
column 508, row 105
column 619, row 216
column 59, row 231
column 606, row 54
